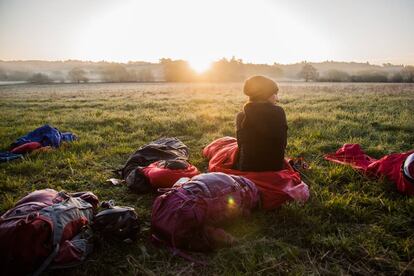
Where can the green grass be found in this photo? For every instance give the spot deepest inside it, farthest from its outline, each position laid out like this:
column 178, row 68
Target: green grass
column 350, row 225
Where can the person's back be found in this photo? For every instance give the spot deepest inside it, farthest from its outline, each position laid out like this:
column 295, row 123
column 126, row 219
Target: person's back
column 261, row 128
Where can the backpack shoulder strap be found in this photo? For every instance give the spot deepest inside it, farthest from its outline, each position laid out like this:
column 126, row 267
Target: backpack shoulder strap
column 48, row 261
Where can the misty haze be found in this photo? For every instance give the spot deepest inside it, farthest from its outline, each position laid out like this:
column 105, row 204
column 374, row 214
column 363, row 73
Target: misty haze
column 266, row 137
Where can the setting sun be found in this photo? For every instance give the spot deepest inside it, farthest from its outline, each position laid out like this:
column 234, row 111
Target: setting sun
column 200, row 66
column 171, row 108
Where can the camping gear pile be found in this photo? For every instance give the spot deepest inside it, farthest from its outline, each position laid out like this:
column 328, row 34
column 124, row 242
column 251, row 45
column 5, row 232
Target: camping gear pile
column 50, row 229
column 47, row 229
column 40, row 138
column 158, row 164
column 186, row 216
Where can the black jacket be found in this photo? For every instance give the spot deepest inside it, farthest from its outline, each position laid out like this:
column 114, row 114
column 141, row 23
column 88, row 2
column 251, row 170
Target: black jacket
column 261, row 137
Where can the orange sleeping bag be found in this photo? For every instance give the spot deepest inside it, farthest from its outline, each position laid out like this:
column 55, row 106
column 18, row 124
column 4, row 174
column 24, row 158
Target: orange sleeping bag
column 276, row 187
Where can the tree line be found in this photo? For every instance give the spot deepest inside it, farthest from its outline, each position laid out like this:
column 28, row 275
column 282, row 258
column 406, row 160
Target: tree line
column 223, row 70
column 111, row 72
column 234, row 70
column 309, row 73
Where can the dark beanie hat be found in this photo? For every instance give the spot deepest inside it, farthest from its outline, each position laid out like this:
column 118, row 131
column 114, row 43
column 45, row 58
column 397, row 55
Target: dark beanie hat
column 260, row 88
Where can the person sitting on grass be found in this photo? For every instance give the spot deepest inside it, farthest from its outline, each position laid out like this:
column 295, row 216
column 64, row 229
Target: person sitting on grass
column 261, row 128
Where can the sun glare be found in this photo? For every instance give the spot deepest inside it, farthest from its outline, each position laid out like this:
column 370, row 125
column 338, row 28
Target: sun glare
column 287, row 39
column 200, row 66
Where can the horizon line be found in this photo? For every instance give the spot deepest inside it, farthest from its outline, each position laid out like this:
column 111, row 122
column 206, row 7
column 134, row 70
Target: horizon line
column 245, row 62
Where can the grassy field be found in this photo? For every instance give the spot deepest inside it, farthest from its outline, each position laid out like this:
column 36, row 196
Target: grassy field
column 350, row 225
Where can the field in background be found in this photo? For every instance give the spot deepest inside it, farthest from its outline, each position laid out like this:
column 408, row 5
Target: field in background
column 351, row 224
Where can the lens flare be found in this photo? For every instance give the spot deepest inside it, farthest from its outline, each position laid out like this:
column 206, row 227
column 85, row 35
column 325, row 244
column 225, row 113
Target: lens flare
column 231, row 202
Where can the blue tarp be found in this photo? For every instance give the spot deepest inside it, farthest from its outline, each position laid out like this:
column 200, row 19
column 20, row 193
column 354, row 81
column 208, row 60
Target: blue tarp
column 47, row 136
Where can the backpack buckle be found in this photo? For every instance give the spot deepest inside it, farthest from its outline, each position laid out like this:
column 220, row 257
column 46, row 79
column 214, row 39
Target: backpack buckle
column 30, row 217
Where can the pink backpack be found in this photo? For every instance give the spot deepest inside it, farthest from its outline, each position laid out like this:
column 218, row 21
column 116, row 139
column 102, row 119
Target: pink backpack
column 187, row 215
column 46, row 228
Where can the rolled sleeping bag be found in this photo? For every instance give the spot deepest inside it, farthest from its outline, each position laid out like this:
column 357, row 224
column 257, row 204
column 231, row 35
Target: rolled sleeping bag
column 160, row 174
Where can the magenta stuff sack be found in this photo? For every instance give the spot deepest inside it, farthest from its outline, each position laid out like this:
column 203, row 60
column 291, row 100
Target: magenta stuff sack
column 189, row 214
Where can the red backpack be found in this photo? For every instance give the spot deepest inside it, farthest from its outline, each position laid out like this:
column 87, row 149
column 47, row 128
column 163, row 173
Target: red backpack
column 46, row 228
column 186, row 216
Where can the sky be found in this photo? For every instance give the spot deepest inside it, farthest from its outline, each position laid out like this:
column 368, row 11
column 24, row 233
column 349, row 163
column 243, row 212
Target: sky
column 201, row 31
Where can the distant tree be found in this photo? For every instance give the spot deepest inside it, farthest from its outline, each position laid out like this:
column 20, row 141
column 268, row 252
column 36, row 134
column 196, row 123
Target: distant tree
column 249, row 69
column 177, row 70
column 370, row 76
column 57, row 76
column 77, row 75
column 144, row 75
column 114, row 72
column 18, row 75
column 335, row 76
column 396, row 77
column 232, row 70
column 308, row 73
column 3, row 75
column 408, row 74
column 39, row 78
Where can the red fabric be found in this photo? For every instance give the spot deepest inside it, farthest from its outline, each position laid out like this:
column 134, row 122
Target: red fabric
column 160, row 177
column 26, row 236
column 73, row 228
column 351, row 154
column 24, row 244
column 25, row 148
column 68, row 253
column 276, row 187
column 388, row 166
